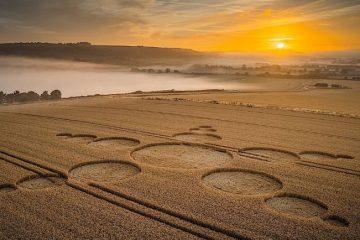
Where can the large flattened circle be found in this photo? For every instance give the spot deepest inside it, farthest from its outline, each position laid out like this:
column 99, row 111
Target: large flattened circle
column 242, row 182
column 323, row 156
column 269, row 154
column 196, row 137
column 104, row 171
column 114, row 142
column 81, row 138
column 315, row 156
column 38, row 182
column 296, row 205
column 181, row 156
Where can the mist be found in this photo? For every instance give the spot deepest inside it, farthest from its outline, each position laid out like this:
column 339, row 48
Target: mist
column 80, row 79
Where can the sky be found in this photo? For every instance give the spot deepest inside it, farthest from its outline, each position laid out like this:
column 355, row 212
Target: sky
column 277, row 26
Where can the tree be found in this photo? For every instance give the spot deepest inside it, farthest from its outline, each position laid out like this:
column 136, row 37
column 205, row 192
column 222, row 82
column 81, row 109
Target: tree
column 2, row 97
column 32, row 96
column 22, row 97
column 27, row 97
column 16, row 96
column 45, row 96
column 10, row 98
column 56, row 94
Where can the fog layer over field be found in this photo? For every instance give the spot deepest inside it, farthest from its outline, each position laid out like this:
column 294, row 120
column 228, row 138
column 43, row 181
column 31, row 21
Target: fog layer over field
column 75, row 79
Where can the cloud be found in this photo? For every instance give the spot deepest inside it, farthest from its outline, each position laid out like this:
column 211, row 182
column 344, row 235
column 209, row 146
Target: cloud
column 137, row 21
column 67, row 16
column 183, row 15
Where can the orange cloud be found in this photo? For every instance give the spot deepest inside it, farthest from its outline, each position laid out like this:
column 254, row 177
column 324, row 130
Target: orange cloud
column 266, row 13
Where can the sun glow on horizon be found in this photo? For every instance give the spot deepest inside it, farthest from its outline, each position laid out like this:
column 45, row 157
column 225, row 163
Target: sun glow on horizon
column 280, row 45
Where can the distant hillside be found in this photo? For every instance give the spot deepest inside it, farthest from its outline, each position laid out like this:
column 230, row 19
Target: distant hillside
column 85, row 52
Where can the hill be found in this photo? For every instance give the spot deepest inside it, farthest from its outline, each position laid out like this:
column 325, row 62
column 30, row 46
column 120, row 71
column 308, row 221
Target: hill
column 85, row 52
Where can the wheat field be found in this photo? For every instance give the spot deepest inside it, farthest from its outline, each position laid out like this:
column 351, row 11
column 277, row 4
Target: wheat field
column 125, row 167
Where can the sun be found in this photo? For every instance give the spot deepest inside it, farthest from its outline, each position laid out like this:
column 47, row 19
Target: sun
column 280, row 45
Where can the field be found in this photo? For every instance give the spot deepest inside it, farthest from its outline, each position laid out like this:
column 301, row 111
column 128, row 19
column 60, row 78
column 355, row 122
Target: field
column 126, row 167
column 277, row 93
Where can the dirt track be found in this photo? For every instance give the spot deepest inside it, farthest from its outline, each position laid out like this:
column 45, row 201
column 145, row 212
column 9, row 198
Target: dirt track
column 176, row 170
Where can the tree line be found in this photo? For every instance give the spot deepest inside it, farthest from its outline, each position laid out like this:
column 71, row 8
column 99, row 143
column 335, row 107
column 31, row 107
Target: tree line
column 30, row 96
